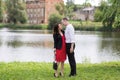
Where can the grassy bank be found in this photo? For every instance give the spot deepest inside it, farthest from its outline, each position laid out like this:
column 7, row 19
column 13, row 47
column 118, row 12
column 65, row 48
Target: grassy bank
column 92, row 26
column 82, row 26
column 87, row 26
column 24, row 26
column 44, row 71
column 1, row 25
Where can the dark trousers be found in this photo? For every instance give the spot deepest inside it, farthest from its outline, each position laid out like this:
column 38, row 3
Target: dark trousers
column 71, row 59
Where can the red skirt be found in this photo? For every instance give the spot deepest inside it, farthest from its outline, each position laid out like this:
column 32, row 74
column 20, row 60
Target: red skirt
column 61, row 53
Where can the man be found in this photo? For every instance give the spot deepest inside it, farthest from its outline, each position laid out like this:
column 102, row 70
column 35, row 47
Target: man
column 70, row 45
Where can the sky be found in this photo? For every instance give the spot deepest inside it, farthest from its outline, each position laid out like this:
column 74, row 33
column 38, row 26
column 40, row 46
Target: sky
column 93, row 2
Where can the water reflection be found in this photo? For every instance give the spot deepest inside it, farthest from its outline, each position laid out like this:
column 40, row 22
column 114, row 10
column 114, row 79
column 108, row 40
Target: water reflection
column 110, row 45
column 37, row 45
column 17, row 44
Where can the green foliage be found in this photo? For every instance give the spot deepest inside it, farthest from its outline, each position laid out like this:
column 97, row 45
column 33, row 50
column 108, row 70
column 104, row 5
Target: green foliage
column 44, row 71
column 2, row 25
column 111, row 13
column 70, row 2
column 117, row 21
column 98, row 15
column 90, row 26
column 53, row 19
column 60, row 8
column 16, row 10
column 1, row 11
column 25, row 26
column 69, row 9
column 87, row 4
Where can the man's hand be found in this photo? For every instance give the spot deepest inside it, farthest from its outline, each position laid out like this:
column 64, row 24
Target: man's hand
column 72, row 48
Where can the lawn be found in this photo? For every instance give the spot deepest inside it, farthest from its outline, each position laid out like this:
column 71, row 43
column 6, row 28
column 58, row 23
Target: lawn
column 87, row 23
column 87, row 26
column 25, row 26
column 44, row 71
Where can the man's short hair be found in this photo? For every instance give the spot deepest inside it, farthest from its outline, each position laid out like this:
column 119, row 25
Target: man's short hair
column 65, row 19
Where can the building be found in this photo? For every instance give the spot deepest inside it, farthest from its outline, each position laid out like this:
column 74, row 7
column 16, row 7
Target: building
column 85, row 14
column 39, row 10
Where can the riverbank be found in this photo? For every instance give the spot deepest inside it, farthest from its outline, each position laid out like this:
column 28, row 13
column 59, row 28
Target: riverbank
column 82, row 26
column 44, row 71
column 89, row 26
column 25, row 26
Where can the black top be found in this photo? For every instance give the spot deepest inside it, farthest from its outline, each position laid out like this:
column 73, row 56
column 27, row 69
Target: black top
column 58, row 40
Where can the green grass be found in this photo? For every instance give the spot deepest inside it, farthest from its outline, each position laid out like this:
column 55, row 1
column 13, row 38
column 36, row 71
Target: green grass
column 1, row 25
column 87, row 26
column 25, row 26
column 82, row 26
column 44, row 71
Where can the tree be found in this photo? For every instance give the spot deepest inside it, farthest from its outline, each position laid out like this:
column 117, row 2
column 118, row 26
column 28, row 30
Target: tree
column 16, row 11
column 98, row 16
column 70, row 2
column 60, row 8
column 87, row 4
column 69, row 8
column 1, row 11
column 53, row 19
column 111, row 13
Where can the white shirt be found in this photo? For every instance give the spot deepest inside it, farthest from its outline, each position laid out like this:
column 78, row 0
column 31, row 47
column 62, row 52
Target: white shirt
column 70, row 34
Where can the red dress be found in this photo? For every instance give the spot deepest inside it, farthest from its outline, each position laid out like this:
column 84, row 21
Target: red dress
column 61, row 53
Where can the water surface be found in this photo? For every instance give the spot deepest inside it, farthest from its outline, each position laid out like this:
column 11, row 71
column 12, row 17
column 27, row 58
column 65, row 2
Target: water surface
column 37, row 46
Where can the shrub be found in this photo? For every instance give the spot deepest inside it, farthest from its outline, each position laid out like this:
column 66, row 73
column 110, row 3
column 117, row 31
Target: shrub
column 54, row 18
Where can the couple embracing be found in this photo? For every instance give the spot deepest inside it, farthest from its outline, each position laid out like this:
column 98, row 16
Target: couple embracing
column 64, row 44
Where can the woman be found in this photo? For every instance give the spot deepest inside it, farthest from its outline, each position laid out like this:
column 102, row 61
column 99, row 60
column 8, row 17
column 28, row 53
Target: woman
column 59, row 48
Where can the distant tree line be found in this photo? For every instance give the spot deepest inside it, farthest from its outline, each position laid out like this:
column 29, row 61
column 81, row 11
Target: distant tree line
column 15, row 10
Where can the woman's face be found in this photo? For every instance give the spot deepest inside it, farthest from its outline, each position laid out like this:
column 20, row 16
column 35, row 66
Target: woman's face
column 60, row 26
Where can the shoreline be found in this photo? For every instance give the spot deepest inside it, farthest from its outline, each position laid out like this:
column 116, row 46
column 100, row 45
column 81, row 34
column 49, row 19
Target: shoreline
column 45, row 27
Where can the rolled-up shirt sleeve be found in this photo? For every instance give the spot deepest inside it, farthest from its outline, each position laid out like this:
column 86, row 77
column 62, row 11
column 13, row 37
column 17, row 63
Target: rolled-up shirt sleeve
column 72, row 34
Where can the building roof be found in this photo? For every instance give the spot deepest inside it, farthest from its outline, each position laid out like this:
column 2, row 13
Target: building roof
column 88, row 9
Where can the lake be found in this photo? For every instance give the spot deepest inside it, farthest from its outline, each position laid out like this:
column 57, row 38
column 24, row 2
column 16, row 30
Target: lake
column 37, row 46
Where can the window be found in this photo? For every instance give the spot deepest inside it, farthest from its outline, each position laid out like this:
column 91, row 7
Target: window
column 42, row 12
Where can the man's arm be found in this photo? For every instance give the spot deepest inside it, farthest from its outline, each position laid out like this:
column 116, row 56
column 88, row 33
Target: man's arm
column 72, row 37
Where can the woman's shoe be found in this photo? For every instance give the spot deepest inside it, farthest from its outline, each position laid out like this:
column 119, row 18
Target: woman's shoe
column 55, row 75
column 61, row 74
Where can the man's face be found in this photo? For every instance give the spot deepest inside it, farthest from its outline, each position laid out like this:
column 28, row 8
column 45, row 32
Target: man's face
column 64, row 22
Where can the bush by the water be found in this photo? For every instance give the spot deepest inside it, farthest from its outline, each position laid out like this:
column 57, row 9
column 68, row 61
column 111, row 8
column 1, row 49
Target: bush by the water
column 53, row 19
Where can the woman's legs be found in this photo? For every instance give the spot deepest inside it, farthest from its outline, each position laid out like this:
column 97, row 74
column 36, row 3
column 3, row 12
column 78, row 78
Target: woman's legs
column 56, row 71
column 62, row 68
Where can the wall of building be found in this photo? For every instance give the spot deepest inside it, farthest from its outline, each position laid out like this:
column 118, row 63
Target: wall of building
column 35, row 11
column 50, row 8
column 39, row 10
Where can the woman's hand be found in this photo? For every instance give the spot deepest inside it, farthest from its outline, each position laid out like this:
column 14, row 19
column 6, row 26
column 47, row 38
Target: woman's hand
column 54, row 51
